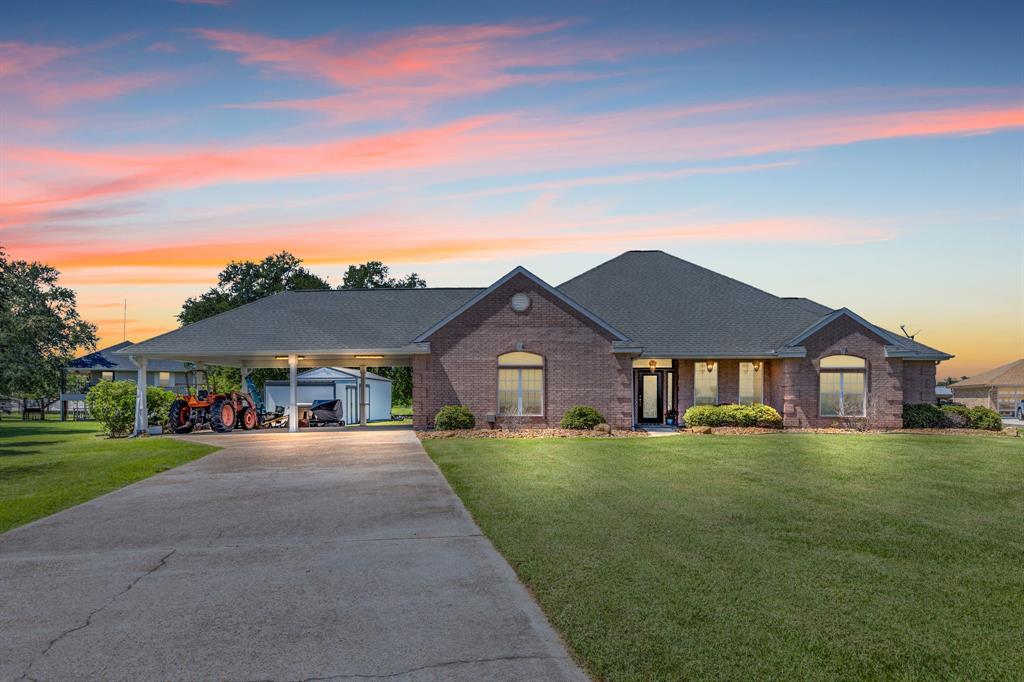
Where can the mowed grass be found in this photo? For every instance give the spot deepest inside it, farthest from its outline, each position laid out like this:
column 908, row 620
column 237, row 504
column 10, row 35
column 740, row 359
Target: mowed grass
column 764, row 557
column 47, row 466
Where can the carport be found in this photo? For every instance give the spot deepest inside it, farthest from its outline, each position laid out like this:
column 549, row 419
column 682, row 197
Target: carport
column 341, row 328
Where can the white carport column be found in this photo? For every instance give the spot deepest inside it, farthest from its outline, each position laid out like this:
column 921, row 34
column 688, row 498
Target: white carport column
column 362, row 395
column 293, row 393
column 141, row 408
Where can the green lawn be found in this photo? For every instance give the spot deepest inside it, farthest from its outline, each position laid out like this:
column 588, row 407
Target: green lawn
column 48, row 466
column 771, row 557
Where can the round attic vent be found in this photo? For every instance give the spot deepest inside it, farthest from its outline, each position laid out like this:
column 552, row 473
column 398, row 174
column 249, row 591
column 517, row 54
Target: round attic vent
column 520, row 302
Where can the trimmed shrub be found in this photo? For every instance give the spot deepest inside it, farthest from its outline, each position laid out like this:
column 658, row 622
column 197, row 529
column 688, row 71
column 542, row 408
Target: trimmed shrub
column 985, row 419
column 581, row 417
column 923, row 416
column 454, row 417
column 158, row 404
column 112, row 404
column 758, row 415
column 956, row 417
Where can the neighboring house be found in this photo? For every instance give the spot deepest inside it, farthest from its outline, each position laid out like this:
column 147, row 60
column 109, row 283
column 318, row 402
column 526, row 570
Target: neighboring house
column 943, row 393
column 330, row 383
column 634, row 337
column 998, row 389
column 107, row 365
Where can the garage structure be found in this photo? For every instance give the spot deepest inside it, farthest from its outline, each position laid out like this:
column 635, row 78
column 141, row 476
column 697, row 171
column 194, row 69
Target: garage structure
column 308, row 329
column 333, row 383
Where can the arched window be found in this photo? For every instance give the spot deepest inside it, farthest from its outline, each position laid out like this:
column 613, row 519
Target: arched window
column 521, row 384
column 841, row 386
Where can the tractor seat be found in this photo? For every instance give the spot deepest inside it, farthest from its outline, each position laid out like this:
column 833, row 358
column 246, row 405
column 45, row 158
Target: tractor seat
column 202, row 394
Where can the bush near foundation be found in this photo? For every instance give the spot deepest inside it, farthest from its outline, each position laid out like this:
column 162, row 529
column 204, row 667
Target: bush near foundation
column 759, row 415
column 928, row 416
column 581, row 417
column 454, row 417
column 923, row 416
column 112, row 404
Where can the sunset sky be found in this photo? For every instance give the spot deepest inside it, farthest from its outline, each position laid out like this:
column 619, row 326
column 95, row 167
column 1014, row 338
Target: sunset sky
column 862, row 156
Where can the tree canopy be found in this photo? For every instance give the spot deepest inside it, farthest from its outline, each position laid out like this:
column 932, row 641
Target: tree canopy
column 375, row 275
column 40, row 329
column 243, row 282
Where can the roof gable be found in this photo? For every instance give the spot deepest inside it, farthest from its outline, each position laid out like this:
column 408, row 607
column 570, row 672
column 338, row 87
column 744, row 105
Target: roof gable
column 1010, row 374
column 520, row 270
column 340, row 373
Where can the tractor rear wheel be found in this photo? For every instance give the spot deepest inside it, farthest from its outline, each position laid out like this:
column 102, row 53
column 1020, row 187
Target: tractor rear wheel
column 180, row 417
column 249, row 419
column 222, row 415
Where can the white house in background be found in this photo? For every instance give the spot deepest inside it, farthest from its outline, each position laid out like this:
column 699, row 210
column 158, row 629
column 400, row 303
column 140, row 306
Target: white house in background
column 105, row 365
column 334, row 383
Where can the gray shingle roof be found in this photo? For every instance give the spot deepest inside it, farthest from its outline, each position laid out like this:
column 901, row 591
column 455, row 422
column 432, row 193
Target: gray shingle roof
column 667, row 306
column 105, row 360
column 673, row 307
column 316, row 321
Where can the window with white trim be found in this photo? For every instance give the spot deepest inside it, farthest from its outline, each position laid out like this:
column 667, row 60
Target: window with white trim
column 164, row 379
column 521, row 384
column 705, row 382
column 751, row 382
column 841, row 386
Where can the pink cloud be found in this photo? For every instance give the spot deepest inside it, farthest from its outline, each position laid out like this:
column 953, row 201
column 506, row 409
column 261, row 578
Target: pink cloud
column 17, row 58
column 44, row 76
column 42, row 179
column 400, row 73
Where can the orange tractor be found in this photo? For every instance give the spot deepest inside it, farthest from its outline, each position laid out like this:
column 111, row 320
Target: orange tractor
column 200, row 407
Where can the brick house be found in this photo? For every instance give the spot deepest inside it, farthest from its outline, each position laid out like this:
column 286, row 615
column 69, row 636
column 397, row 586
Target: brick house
column 1000, row 389
column 637, row 337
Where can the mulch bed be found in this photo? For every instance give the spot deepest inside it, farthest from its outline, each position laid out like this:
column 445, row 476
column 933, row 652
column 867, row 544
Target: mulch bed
column 528, row 433
column 754, row 431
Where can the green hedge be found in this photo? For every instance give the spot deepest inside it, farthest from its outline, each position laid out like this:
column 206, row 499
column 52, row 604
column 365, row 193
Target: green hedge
column 112, row 404
column 733, row 415
column 928, row 416
column 923, row 416
column 581, row 417
column 454, row 417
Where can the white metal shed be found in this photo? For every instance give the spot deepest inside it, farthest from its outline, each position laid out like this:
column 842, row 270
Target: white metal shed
column 334, row 383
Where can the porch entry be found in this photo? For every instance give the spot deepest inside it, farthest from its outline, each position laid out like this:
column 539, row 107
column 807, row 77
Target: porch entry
column 654, row 383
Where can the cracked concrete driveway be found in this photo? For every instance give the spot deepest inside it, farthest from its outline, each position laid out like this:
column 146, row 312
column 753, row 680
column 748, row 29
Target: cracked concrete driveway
column 318, row 555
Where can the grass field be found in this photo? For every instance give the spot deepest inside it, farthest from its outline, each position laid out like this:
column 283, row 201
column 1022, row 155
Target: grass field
column 50, row 465
column 763, row 557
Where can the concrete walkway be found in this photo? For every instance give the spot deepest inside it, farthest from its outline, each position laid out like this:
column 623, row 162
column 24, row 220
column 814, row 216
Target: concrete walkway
column 317, row 555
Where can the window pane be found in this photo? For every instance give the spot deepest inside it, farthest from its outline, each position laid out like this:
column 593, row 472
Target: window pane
column 842, row 362
column 705, row 384
column 751, row 384
column 650, row 395
column 520, row 359
column 853, row 394
column 533, row 391
column 828, row 390
column 508, row 391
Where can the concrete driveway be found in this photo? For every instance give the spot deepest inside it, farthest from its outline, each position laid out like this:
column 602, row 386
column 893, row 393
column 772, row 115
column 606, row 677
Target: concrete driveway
column 317, row 555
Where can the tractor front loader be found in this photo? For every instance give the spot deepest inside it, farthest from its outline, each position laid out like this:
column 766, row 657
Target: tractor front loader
column 199, row 407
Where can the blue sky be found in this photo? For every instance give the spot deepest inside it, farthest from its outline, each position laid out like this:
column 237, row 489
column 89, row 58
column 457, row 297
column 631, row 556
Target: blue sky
column 865, row 155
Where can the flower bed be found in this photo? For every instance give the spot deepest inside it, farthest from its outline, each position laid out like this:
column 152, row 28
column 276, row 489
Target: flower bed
column 755, row 431
column 529, row 433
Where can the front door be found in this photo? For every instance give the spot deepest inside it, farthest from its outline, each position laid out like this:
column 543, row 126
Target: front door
column 650, row 397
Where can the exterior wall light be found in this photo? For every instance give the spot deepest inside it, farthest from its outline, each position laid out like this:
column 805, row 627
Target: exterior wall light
column 757, row 365
column 653, row 364
column 710, row 364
